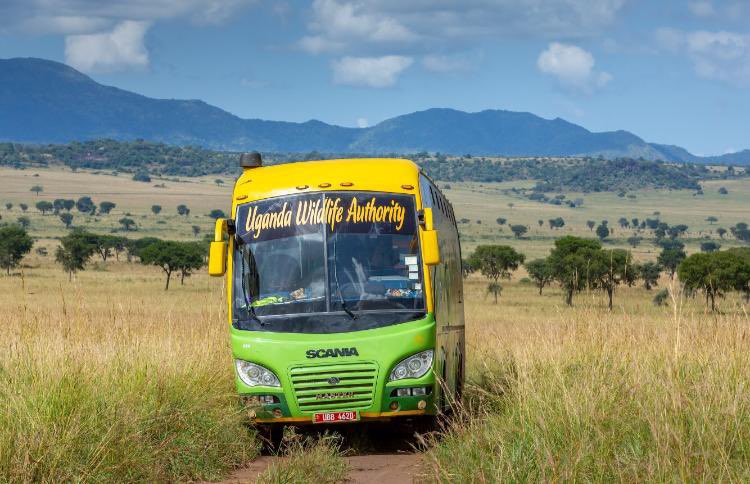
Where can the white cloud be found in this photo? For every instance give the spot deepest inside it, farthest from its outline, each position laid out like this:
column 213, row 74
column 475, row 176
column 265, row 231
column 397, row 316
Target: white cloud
column 572, row 66
column 104, row 35
column 122, row 48
column 422, row 25
column 362, row 123
column 702, row 8
column 370, row 71
column 335, row 23
column 719, row 55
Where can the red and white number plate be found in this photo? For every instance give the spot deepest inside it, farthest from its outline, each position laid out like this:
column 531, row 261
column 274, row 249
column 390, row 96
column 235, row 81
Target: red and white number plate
column 331, row 417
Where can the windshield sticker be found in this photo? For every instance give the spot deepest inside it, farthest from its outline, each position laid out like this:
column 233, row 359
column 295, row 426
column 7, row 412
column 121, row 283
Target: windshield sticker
column 410, row 260
column 358, row 213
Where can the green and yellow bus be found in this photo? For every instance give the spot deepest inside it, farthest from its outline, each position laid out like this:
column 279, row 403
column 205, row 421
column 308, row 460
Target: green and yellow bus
column 344, row 289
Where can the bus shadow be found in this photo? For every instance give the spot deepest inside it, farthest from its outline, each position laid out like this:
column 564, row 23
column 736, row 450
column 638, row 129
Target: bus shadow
column 367, row 438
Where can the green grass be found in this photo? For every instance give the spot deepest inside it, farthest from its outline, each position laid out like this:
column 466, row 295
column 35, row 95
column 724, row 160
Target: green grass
column 110, row 379
column 125, row 422
column 307, row 459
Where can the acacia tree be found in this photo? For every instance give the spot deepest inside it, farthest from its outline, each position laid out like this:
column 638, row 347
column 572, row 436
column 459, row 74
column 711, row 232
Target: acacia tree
column 570, row 262
column 173, row 256
column 649, row 272
column 540, row 272
column 466, row 268
column 127, row 223
column 67, row 219
column 37, row 189
column 85, row 205
column 217, row 213
column 44, row 206
column 518, row 230
column 714, row 273
column 105, row 245
column 106, row 207
column 744, row 254
column 612, row 268
column 58, row 204
column 156, row 209
column 602, row 231
column 495, row 262
column 74, row 251
column 15, row 243
column 670, row 258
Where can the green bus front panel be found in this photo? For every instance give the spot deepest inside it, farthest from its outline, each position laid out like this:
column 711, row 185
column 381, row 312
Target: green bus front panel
column 356, row 377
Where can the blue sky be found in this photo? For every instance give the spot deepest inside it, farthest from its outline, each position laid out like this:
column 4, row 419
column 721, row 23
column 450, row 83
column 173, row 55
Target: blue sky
column 674, row 72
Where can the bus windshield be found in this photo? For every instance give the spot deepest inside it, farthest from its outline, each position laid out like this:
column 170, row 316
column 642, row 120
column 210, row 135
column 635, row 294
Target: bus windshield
column 334, row 261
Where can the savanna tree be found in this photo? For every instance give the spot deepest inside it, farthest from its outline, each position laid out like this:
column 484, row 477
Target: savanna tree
column 649, row 273
column 15, row 243
column 714, row 274
column 570, row 261
column 495, row 262
column 74, row 251
column 540, row 272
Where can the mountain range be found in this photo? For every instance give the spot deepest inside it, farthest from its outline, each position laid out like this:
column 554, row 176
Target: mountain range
column 42, row 101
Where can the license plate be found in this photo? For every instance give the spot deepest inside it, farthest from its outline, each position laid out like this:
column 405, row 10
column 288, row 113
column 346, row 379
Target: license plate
column 331, row 417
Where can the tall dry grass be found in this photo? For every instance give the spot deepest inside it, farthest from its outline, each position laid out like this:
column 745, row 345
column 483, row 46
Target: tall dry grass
column 584, row 394
column 112, row 379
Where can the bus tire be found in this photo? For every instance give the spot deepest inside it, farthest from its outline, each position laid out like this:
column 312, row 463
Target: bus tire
column 270, row 437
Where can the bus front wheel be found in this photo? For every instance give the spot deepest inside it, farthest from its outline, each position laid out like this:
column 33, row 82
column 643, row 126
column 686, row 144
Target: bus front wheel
column 270, row 437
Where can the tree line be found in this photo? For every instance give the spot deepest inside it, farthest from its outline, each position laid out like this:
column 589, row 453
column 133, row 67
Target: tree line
column 578, row 264
column 585, row 174
column 78, row 247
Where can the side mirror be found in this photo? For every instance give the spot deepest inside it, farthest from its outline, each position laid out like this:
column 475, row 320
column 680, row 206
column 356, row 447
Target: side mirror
column 217, row 255
column 430, row 246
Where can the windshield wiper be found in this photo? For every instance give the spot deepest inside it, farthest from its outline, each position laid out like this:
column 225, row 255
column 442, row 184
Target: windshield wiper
column 336, row 280
column 250, row 308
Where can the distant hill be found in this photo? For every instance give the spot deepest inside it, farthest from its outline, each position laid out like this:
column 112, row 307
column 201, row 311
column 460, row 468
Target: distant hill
column 47, row 102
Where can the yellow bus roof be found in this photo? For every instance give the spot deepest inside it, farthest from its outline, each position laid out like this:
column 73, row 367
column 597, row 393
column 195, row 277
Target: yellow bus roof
column 366, row 174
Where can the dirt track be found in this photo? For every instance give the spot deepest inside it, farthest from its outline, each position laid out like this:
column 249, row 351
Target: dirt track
column 363, row 469
column 376, row 454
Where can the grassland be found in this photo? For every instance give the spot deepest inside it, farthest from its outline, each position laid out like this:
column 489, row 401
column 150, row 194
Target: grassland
column 638, row 394
column 110, row 378
column 483, row 202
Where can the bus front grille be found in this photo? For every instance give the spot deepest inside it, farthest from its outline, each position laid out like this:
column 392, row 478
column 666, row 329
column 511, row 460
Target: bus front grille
column 345, row 386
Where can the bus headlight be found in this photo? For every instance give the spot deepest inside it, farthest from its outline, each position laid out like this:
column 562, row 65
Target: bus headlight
column 254, row 375
column 414, row 366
